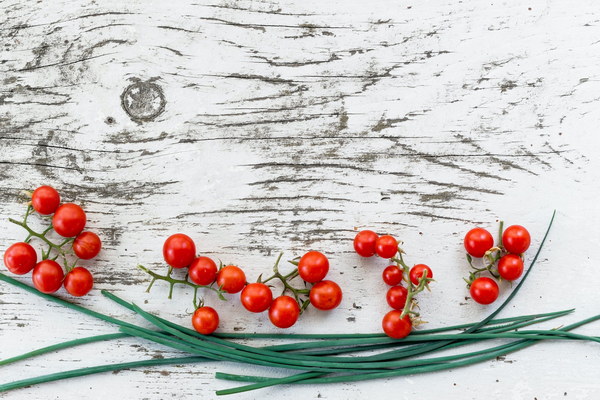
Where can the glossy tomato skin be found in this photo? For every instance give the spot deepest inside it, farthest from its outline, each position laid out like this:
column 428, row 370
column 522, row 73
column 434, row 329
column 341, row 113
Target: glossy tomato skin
column 510, row 267
column 79, row 281
column 396, row 327
column 179, row 250
column 396, row 297
column 284, row 312
column 69, row 220
column 87, row 245
column 386, row 246
column 205, row 320
column 325, row 295
column 231, row 278
column 516, row 239
column 478, row 241
column 484, row 290
column 45, row 200
column 416, row 273
column 203, row 271
column 364, row 243
column 20, row 258
column 313, row 266
column 47, row 276
column 392, row 275
column 256, row 297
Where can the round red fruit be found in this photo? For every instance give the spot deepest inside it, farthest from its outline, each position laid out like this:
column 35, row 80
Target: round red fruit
column 325, row 295
column 47, row 276
column 478, row 241
column 416, row 273
column 203, row 271
column 45, row 200
column 364, row 243
column 20, row 258
column 313, row 266
column 284, row 312
column 392, row 275
column 87, row 245
column 79, row 281
column 179, row 250
column 386, row 246
column 396, row 327
column 205, row 320
column 69, row 220
column 256, row 297
column 396, row 297
column 510, row 267
column 484, row 290
column 231, row 279
column 516, row 239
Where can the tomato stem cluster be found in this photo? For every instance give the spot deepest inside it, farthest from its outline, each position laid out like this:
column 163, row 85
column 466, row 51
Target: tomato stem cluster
column 413, row 289
column 297, row 293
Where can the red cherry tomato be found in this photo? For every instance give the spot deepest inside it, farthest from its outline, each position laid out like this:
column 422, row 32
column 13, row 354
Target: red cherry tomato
column 516, row 239
column 313, row 266
column 231, row 278
column 69, row 220
column 45, row 200
column 478, row 241
column 484, row 290
column 179, row 250
column 325, row 295
column 20, row 258
column 396, row 327
column 416, row 273
column 396, row 297
column 87, row 245
column 392, row 275
column 256, row 297
column 205, row 320
column 386, row 246
column 284, row 312
column 510, row 267
column 203, row 271
column 364, row 243
column 47, row 276
column 79, row 281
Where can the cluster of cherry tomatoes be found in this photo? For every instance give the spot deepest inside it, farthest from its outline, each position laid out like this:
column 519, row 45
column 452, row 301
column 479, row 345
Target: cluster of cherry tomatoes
column 396, row 323
column 68, row 221
column 179, row 251
column 503, row 261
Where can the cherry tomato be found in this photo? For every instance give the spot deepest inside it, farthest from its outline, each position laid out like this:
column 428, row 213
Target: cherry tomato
column 392, row 275
column 256, row 297
column 205, row 320
column 284, row 312
column 79, row 281
column 45, row 200
column 69, row 220
column 87, row 245
column 516, row 239
column 203, row 271
column 510, row 267
column 325, row 295
column 396, row 327
column 484, row 290
column 179, row 250
column 364, row 243
column 20, row 258
column 47, row 276
column 416, row 273
column 313, row 266
column 396, row 297
column 231, row 278
column 478, row 241
column 386, row 246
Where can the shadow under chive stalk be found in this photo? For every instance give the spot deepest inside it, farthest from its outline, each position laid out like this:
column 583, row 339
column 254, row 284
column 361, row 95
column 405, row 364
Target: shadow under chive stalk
column 297, row 293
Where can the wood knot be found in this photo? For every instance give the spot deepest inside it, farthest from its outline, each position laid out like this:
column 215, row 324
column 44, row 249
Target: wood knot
column 143, row 101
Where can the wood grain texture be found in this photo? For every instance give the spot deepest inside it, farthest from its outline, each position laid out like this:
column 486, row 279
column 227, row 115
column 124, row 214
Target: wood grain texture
column 286, row 126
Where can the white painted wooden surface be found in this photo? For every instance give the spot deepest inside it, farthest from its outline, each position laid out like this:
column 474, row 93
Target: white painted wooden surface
column 286, row 125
